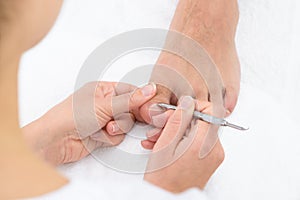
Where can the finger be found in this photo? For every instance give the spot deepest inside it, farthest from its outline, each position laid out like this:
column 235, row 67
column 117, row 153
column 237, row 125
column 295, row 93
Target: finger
column 105, row 139
column 150, row 109
column 177, row 124
column 131, row 101
column 111, row 88
column 122, row 123
column 153, row 134
column 152, row 137
column 123, row 88
column 207, row 134
column 204, row 137
column 112, row 128
column 147, row 144
column 160, row 120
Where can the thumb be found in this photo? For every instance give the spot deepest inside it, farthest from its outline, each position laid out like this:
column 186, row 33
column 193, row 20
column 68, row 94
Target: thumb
column 129, row 102
column 141, row 95
column 151, row 109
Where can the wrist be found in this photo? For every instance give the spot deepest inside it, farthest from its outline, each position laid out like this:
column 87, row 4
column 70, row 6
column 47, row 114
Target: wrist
column 56, row 136
column 45, row 139
column 33, row 133
column 172, row 185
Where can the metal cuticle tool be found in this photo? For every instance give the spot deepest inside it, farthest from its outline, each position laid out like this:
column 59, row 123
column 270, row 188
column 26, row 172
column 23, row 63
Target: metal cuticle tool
column 207, row 118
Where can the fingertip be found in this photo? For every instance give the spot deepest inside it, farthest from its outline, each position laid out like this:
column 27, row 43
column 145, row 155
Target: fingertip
column 141, row 95
column 112, row 128
column 153, row 135
column 117, row 139
column 153, row 132
column 154, row 87
column 230, row 100
column 150, row 108
column 147, row 144
column 149, row 90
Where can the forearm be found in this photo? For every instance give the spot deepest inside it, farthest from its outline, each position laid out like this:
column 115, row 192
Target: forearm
column 41, row 139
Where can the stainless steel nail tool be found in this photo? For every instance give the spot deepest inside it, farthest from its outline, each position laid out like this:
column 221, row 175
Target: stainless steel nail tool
column 207, row 118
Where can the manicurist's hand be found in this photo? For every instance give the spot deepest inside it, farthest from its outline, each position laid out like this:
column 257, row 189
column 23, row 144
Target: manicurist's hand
column 96, row 115
column 175, row 164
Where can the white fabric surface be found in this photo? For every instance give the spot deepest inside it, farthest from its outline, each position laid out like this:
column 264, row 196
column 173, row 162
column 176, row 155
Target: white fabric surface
column 260, row 164
column 112, row 190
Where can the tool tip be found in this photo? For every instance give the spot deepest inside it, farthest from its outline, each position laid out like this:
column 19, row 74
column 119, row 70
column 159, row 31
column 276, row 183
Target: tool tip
column 244, row 129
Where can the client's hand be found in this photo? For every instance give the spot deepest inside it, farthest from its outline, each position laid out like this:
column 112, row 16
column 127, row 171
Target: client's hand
column 96, row 115
column 174, row 164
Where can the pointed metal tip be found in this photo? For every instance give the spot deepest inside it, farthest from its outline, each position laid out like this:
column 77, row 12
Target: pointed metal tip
column 236, row 127
column 207, row 118
column 167, row 106
column 244, row 129
column 162, row 105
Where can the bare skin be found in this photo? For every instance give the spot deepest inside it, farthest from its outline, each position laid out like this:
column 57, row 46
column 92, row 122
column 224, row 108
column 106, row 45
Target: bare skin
column 212, row 24
column 59, row 137
column 175, row 164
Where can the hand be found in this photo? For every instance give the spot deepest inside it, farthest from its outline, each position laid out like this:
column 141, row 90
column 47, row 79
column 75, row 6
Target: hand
column 174, row 164
column 96, row 115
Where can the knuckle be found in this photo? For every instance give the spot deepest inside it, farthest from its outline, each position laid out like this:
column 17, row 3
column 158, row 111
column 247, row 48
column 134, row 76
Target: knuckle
column 132, row 100
column 132, row 97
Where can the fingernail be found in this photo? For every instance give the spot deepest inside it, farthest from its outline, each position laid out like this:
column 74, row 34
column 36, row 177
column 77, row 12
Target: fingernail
column 228, row 112
column 115, row 128
column 149, row 89
column 185, row 102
